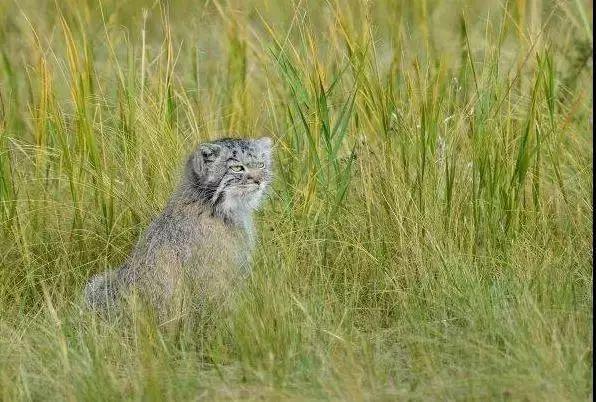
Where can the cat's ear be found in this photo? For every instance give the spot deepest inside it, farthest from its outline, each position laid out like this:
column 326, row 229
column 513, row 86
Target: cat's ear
column 209, row 152
column 205, row 154
column 266, row 143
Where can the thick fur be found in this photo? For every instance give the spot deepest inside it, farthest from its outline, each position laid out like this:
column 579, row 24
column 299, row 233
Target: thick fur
column 203, row 239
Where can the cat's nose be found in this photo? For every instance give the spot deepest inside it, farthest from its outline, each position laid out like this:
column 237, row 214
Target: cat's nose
column 255, row 176
column 255, row 180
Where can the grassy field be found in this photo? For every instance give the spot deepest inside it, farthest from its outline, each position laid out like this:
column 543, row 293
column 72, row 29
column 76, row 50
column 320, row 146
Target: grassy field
column 429, row 232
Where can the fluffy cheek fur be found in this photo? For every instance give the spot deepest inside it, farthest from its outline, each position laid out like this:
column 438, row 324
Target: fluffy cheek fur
column 231, row 196
column 239, row 197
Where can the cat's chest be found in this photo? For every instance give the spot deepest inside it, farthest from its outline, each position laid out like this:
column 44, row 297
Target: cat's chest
column 212, row 241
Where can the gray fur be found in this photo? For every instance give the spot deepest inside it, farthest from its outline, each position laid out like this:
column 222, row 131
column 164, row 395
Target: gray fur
column 203, row 238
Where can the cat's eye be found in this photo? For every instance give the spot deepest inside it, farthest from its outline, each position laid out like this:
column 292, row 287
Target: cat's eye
column 236, row 168
column 260, row 165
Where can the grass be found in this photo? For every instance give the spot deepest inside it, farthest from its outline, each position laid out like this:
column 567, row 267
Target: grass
column 429, row 233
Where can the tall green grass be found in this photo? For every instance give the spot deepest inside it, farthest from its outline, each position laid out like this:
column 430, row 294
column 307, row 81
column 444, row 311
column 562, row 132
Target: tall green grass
column 429, row 231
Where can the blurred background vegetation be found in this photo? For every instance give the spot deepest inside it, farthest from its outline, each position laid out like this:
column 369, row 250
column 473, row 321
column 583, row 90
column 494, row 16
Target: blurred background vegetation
column 429, row 232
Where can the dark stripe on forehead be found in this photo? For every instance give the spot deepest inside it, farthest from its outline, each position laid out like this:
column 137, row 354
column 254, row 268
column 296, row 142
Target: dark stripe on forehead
column 230, row 143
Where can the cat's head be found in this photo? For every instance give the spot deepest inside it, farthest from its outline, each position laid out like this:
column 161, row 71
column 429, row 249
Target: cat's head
column 232, row 174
